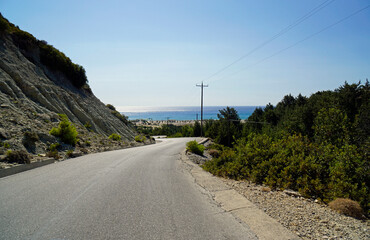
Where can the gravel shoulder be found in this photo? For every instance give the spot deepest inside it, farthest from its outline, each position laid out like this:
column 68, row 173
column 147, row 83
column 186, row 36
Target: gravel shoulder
column 307, row 218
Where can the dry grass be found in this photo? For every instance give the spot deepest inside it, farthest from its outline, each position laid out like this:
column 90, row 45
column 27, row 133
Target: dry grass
column 347, row 207
column 266, row 189
column 214, row 153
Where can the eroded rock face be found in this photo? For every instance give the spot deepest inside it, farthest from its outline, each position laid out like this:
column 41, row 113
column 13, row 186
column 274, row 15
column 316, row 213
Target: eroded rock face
column 29, row 89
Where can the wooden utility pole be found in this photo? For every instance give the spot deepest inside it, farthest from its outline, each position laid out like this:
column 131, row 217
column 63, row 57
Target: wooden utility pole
column 201, row 107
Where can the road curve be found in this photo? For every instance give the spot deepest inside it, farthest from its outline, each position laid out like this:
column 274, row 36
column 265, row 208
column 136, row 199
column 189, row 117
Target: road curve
column 136, row 193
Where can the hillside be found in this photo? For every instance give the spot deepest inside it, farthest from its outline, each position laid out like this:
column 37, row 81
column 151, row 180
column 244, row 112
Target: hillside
column 38, row 82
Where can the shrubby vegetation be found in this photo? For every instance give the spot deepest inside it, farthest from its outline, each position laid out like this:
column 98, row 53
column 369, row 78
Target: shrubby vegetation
column 49, row 56
column 140, row 138
column 115, row 137
column 117, row 114
column 194, row 147
column 65, row 131
column 53, row 150
column 171, row 130
column 20, row 157
column 318, row 145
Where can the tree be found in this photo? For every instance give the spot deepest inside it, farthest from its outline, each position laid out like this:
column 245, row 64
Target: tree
column 331, row 126
column 196, row 129
column 230, row 126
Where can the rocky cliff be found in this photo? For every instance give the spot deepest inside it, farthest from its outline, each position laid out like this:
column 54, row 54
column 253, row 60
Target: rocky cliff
column 37, row 82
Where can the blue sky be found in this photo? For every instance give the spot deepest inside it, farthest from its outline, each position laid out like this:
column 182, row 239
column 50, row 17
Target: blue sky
column 152, row 53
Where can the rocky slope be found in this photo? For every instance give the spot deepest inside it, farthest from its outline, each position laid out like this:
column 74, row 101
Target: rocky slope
column 32, row 94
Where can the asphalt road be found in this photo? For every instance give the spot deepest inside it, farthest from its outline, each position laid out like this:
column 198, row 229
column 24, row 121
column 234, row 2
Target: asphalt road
column 136, row 193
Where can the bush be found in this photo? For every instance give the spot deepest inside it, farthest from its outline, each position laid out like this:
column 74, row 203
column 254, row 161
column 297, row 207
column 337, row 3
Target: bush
column 88, row 126
column 140, row 138
column 54, row 154
column 216, row 146
column 69, row 153
column 176, row 135
column 4, row 24
column 347, row 207
column 54, row 146
column 194, row 147
column 20, row 156
column 57, row 60
column 6, row 145
column 115, row 137
column 117, row 114
column 65, row 131
column 214, row 153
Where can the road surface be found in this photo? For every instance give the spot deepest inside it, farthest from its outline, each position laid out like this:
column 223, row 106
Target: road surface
column 136, row 193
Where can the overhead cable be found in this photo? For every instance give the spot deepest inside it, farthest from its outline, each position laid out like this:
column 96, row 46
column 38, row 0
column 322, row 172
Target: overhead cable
column 300, row 41
column 282, row 32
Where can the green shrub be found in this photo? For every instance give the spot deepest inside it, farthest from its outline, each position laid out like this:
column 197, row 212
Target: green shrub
column 140, row 138
column 54, row 146
column 6, row 145
column 194, row 147
column 111, row 107
column 115, row 137
column 57, row 60
column 216, row 146
column 4, row 24
column 20, row 156
column 69, row 153
column 176, row 135
column 54, row 154
column 117, row 114
column 65, row 131
column 88, row 126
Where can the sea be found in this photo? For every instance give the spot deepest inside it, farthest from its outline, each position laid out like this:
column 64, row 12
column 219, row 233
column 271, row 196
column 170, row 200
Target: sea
column 181, row 113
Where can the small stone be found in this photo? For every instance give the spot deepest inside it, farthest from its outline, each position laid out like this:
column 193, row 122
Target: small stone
column 4, row 105
column 292, row 193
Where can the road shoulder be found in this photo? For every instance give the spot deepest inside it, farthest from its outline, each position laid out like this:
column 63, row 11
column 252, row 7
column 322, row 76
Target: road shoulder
column 230, row 200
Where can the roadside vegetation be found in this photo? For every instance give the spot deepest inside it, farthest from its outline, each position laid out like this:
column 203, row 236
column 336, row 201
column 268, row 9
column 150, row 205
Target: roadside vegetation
column 65, row 131
column 140, row 138
column 115, row 137
column 195, row 147
column 317, row 145
column 171, row 130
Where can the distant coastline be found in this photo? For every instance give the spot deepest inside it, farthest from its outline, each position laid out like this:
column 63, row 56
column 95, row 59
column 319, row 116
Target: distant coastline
column 182, row 113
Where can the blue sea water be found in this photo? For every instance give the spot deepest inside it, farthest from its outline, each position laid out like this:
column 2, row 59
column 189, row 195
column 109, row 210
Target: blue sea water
column 182, row 113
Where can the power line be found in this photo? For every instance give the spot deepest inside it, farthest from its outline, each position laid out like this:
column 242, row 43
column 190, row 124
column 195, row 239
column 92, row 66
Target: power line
column 300, row 41
column 282, row 32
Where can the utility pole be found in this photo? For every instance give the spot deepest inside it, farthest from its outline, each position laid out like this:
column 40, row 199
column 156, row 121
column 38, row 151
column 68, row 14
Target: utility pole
column 201, row 107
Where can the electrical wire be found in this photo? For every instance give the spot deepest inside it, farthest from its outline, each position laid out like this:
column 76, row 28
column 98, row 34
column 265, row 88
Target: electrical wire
column 300, row 41
column 282, row 32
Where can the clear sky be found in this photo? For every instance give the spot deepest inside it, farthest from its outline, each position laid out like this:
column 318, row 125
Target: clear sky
column 152, row 53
